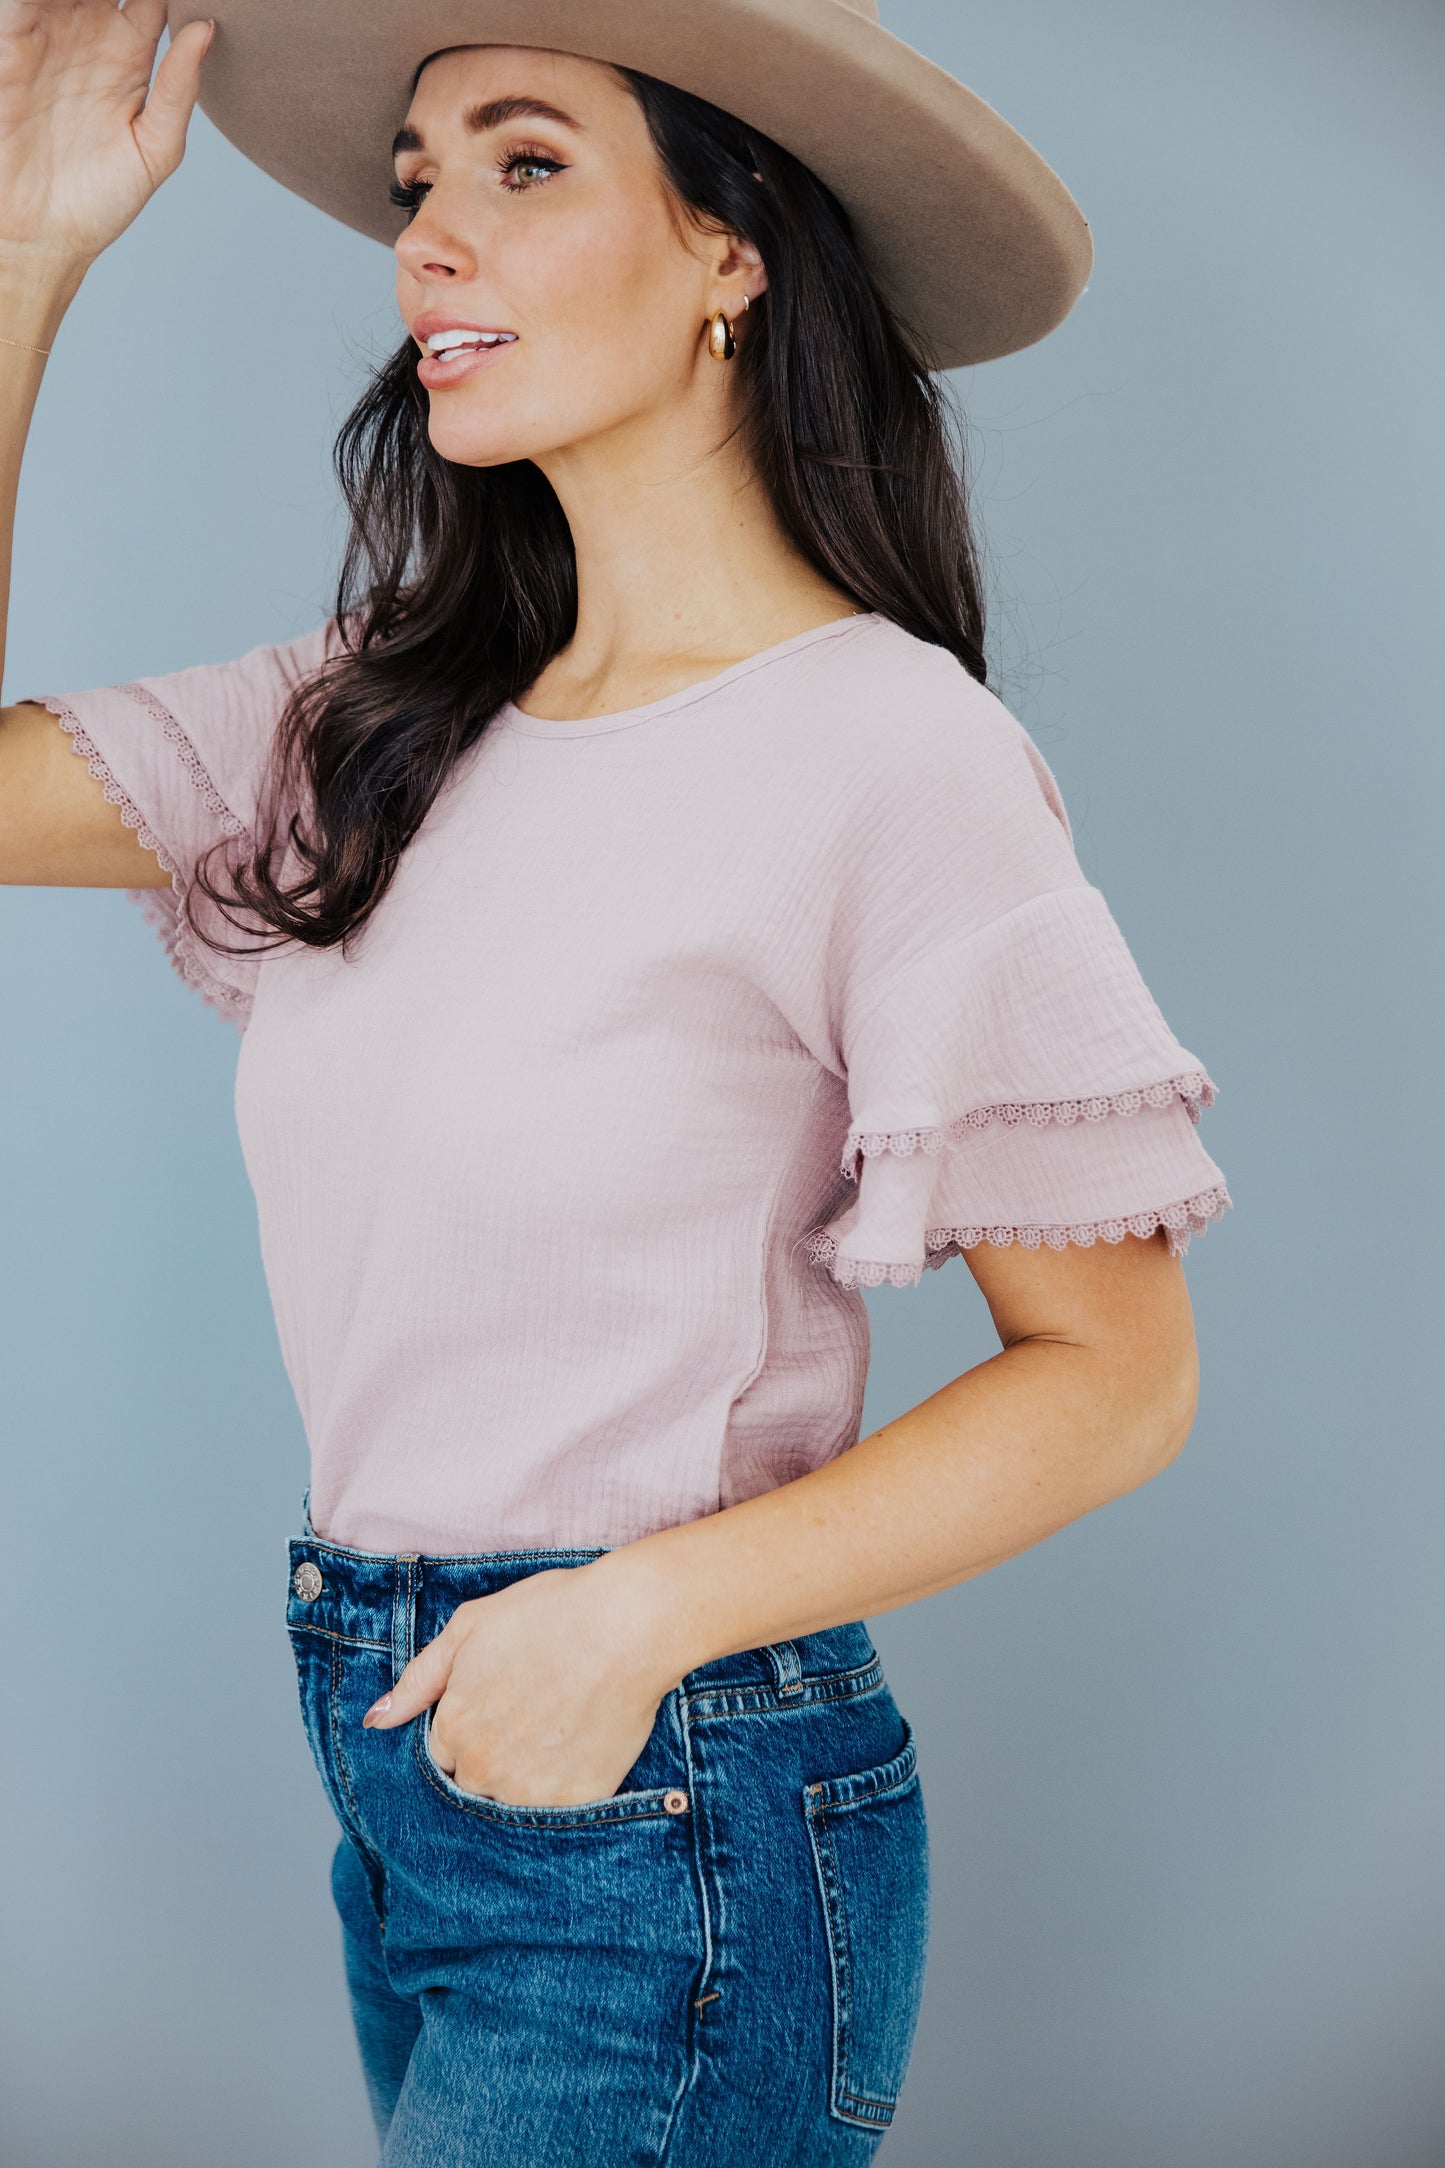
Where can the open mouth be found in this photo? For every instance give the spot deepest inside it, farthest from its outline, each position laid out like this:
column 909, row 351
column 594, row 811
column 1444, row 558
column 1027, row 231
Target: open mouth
column 452, row 355
column 455, row 342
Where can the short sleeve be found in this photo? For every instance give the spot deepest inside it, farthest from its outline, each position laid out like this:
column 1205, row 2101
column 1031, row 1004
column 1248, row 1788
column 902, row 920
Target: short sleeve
column 184, row 757
column 1010, row 1077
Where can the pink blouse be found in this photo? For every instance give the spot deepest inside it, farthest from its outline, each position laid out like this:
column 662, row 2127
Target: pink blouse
column 678, row 1027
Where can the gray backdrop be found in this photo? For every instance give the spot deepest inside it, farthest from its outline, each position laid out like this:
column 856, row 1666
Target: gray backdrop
column 1183, row 1762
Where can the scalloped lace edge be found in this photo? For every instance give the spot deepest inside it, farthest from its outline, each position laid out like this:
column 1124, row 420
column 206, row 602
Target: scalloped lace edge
column 176, row 736
column 1191, row 1216
column 161, row 909
column 1194, row 1087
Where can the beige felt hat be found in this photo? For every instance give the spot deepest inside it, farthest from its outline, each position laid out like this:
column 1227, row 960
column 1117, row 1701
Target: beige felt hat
column 971, row 235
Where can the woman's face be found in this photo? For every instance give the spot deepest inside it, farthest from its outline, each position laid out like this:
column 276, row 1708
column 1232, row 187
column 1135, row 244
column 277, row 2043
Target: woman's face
column 552, row 228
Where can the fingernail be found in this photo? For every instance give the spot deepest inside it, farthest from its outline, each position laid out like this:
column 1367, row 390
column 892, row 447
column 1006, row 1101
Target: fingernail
column 378, row 1708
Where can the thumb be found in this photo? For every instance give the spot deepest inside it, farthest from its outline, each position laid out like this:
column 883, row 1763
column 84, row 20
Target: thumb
column 160, row 127
column 423, row 1682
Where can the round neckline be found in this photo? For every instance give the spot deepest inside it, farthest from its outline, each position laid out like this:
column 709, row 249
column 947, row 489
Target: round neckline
column 583, row 726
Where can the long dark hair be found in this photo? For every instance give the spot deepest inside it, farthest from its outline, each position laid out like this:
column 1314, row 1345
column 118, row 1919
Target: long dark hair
column 458, row 584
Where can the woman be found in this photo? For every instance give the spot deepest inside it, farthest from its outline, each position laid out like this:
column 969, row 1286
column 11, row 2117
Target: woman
column 647, row 930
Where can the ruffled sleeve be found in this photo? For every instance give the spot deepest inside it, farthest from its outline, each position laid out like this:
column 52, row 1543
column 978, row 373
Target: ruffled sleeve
column 1010, row 1077
column 184, row 758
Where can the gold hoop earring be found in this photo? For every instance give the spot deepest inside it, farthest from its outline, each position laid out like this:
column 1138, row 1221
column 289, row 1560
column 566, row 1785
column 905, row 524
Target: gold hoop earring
column 720, row 341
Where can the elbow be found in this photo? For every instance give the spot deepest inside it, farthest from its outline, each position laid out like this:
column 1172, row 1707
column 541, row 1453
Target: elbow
column 1155, row 1410
column 1176, row 1409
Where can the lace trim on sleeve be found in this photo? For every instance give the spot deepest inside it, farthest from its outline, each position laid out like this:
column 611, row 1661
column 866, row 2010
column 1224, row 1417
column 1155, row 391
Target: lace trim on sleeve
column 162, row 910
column 185, row 753
column 1191, row 1216
column 82, row 743
column 1194, row 1088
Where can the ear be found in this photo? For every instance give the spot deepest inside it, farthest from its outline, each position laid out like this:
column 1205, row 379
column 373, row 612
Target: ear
column 742, row 270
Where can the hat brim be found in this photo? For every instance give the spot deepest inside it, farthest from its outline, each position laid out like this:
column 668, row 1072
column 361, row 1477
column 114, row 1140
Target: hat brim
column 971, row 236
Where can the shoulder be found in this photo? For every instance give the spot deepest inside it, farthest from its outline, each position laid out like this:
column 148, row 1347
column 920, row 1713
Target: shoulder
column 250, row 686
column 920, row 741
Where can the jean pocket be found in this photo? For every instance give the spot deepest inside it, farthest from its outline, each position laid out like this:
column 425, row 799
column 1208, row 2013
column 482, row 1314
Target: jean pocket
column 666, row 1802
column 870, row 1851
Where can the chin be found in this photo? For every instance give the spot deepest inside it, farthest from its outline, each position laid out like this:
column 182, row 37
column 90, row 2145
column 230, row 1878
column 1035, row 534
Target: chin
column 474, row 447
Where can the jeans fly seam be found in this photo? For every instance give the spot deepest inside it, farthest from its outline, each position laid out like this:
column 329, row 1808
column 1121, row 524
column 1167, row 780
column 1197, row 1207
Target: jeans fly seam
column 338, row 1756
column 694, row 2021
column 403, row 1619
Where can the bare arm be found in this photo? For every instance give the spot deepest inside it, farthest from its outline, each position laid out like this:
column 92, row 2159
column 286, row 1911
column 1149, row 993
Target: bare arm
column 85, row 140
column 549, row 1688
column 1093, row 1392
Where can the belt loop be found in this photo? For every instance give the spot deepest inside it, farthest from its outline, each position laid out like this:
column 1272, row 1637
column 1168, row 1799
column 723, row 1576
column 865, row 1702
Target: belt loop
column 403, row 1614
column 307, row 1531
column 787, row 1666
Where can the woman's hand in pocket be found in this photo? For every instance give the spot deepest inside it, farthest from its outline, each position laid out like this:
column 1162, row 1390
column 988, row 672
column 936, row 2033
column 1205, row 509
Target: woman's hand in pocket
column 544, row 1693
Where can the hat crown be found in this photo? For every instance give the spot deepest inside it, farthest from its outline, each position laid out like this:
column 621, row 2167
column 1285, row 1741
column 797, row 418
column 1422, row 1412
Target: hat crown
column 866, row 8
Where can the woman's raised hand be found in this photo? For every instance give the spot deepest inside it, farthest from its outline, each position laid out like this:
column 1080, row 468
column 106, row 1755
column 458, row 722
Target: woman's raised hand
column 86, row 137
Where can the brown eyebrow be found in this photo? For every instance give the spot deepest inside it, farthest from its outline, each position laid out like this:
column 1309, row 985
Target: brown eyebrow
column 494, row 113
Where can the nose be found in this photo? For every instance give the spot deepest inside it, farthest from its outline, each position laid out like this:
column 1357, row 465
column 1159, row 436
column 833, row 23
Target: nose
column 429, row 246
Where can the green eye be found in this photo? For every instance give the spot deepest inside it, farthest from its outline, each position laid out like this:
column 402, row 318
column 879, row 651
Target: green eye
column 517, row 158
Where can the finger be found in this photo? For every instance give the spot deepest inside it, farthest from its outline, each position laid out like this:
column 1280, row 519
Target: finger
column 160, row 128
column 422, row 1683
column 436, row 1740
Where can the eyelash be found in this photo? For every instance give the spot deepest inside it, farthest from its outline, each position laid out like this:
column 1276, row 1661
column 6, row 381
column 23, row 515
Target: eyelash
column 407, row 195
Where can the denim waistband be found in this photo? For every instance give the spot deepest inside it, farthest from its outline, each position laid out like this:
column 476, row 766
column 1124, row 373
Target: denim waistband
column 401, row 1600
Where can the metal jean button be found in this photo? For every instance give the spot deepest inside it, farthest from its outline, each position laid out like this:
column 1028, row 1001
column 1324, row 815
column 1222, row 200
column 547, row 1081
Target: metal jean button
column 307, row 1582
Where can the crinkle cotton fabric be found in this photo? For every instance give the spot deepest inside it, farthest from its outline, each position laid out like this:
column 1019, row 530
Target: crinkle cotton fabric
column 678, row 1027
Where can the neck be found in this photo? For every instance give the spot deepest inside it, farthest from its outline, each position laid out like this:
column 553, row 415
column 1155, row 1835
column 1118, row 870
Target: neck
column 682, row 567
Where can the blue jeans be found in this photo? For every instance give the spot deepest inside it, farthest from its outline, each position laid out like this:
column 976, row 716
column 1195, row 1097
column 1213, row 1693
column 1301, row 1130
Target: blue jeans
column 718, row 1967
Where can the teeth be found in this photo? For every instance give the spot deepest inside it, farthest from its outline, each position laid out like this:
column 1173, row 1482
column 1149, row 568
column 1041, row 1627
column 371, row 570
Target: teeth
column 446, row 342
